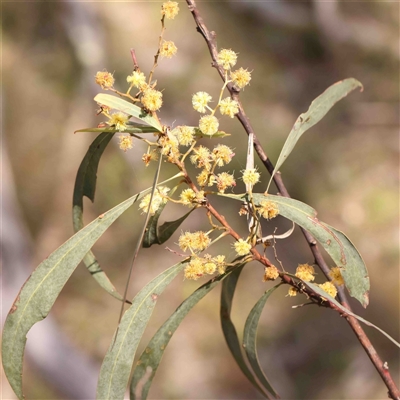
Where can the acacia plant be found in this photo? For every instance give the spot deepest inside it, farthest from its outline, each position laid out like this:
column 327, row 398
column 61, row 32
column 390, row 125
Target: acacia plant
column 131, row 114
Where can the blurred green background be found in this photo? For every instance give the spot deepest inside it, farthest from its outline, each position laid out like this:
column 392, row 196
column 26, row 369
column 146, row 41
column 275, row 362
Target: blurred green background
column 346, row 167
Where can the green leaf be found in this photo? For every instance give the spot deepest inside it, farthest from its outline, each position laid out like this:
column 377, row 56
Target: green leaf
column 199, row 134
column 229, row 330
column 117, row 365
column 322, row 293
column 42, row 288
column 85, row 185
column 249, row 339
column 336, row 243
column 318, row 109
column 150, row 359
column 128, row 108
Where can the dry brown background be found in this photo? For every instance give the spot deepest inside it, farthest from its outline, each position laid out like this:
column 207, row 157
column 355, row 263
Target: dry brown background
column 346, row 167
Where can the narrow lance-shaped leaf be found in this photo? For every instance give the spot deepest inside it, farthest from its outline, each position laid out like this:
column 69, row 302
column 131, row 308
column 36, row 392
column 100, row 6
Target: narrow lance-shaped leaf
column 128, row 108
column 249, row 339
column 229, row 330
column 336, row 243
column 315, row 288
column 318, row 109
column 85, row 185
column 42, row 288
column 150, row 359
column 117, row 365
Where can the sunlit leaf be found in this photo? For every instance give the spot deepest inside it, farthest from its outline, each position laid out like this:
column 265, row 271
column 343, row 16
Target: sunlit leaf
column 318, row 109
column 321, row 292
column 229, row 330
column 150, row 359
column 249, row 339
column 85, row 185
column 117, row 364
column 42, row 288
column 336, row 243
column 119, row 104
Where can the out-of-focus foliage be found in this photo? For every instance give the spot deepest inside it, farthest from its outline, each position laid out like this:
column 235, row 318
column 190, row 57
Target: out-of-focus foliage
column 346, row 168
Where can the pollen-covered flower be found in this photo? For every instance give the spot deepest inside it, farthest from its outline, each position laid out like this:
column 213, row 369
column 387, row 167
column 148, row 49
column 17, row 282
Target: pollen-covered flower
column 209, row 267
column 271, row 273
column 125, row 142
column 241, row 77
column 202, row 241
column 105, row 79
column 187, row 197
column 225, row 180
column 137, row 79
column 305, row 272
column 242, row 247
column 168, row 49
column 226, row 58
column 268, row 209
column 201, row 157
column 200, row 101
column 336, row 276
column 329, row 288
column 250, row 176
column 157, row 201
column 118, row 120
column 229, row 107
column 208, row 125
column 195, row 269
column 292, row 292
column 152, row 99
column 205, row 178
column 195, row 241
column 184, row 134
column 222, row 154
column 170, row 9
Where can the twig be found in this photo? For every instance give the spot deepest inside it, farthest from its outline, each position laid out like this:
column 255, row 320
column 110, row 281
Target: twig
column 209, row 37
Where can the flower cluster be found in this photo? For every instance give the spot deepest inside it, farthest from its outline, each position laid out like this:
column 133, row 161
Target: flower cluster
column 329, row 288
column 268, row 209
column 305, row 272
column 105, row 79
column 159, row 198
column 242, row 247
column 271, row 273
column 207, row 265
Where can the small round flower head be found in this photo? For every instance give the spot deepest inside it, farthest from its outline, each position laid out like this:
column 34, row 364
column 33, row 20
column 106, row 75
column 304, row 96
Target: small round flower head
column 292, row 292
column 125, row 142
column 118, row 120
column 222, row 154
column 157, row 201
column 225, row 180
column 201, row 157
column 336, row 276
column 221, row 264
column 205, row 178
column 242, row 248
column 186, row 240
column 229, row 107
column 226, row 58
column 250, row 176
column 305, row 272
column 152, row 99
column 137, row 79
column 209, row 267
column 329, row 288
column 241, row 77
column 201, row 241
column 187, row 197
column 194, row 270
column 149, row 156
column 268, row 209
column 208, row 125
column 105, row 79
column 170, row 9
column 271, row 273
column 168, row 49
column 184, row 134
column 200, row 101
